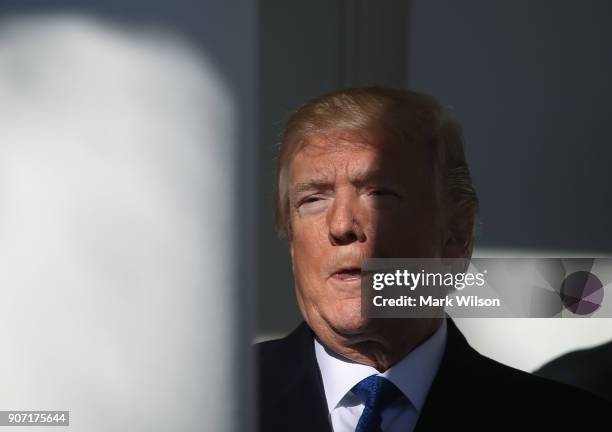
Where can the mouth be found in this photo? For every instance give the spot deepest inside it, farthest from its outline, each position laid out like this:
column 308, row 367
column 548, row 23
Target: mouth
column 348, row 274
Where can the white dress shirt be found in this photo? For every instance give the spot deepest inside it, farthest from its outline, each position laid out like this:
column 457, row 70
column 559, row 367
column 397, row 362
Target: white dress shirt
column 413, row 375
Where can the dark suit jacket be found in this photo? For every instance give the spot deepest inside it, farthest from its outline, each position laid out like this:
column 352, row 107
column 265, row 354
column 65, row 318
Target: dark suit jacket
column 470, row 392
column 589, row 369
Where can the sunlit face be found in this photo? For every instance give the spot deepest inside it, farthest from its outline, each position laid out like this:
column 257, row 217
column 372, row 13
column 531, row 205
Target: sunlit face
column 353, row 196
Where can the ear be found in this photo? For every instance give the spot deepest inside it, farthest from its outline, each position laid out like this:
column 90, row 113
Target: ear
column 454, row 248
column 457, row 242
column 291, row 249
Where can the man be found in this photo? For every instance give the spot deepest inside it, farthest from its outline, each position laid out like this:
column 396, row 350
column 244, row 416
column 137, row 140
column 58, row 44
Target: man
column 373, row 172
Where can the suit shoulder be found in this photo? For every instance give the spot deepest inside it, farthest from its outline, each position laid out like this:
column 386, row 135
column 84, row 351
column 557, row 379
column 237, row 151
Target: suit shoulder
column 278, row 355
column 597, row 358
column 539, row 392
column 588, row 369
column 269, row 347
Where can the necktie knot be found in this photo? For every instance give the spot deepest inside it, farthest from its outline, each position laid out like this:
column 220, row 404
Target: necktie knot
column 376, row 392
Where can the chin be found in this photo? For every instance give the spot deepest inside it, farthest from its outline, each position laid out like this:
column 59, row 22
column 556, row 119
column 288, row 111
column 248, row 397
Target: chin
column 346, row 317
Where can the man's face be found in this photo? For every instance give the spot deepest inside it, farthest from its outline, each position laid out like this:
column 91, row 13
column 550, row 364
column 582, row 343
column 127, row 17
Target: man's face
column 355, row 195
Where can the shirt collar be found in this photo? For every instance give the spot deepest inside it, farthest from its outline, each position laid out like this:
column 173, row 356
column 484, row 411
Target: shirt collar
column 413, row 374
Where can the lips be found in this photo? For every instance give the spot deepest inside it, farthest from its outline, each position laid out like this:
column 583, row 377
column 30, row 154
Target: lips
column 347, row 274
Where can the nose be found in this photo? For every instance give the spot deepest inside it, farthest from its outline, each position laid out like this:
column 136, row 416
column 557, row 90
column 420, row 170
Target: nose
column 345, row 224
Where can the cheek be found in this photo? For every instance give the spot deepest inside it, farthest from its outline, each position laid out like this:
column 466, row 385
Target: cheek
column 309, row 234
column 404, row 233
column 308, row 258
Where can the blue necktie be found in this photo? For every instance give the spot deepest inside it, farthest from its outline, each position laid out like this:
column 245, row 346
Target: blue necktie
column 376, row 393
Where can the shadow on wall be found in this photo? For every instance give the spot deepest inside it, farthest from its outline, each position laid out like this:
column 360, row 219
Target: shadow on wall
column 116, row 145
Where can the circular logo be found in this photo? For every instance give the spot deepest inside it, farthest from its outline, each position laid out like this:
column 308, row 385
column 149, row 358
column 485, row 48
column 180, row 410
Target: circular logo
column 582, row 292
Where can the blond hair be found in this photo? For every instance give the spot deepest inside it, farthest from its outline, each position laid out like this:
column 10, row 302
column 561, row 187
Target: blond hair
column 408, row 117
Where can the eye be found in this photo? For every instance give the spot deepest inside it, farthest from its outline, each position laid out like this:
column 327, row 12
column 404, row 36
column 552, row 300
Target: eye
column 311, row 205
column 309, row 200
column 383, row 192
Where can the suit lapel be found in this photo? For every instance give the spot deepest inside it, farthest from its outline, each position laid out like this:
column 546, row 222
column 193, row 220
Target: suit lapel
column 446, row 403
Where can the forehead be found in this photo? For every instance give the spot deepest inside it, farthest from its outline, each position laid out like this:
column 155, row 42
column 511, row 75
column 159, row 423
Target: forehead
column 359, row 154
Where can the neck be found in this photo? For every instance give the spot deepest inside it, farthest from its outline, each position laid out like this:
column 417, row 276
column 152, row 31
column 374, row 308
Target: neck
column 383, row 342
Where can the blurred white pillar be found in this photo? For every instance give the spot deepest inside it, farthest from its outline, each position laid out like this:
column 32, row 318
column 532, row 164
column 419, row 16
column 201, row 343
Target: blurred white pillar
column 117, row 214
